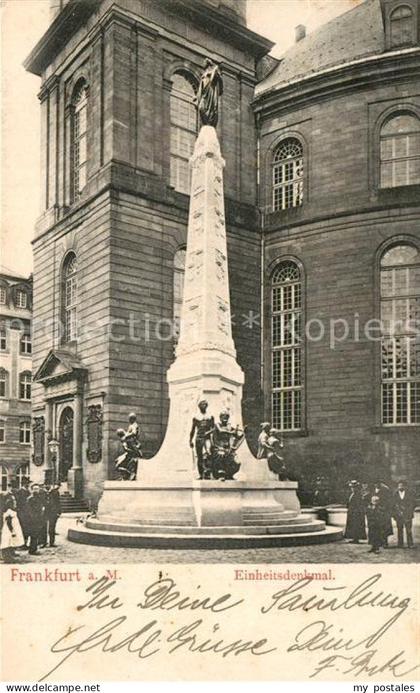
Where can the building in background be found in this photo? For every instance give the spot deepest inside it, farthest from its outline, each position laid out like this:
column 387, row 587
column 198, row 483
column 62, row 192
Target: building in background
column 339, row 133
column 15, row 376
column 322, row 183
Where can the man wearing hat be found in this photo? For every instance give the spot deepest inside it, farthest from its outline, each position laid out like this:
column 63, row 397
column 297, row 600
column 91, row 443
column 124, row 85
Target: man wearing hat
column 356, row 514
column 404, row 503
column 201, row 429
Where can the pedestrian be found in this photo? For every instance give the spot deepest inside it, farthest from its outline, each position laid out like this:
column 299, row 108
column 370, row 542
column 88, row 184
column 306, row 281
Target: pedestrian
column 384, row 493
column 35, row 507
column 53, row 512
column 320, row 497
column 43, row 494
column 22, row 494
column 376, row 519
column 356, row 514
column 366, row 494
column 11, row 536
column 403, row 512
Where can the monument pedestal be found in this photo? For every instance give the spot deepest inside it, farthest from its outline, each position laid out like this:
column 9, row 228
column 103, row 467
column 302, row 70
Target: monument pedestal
column 167, row 506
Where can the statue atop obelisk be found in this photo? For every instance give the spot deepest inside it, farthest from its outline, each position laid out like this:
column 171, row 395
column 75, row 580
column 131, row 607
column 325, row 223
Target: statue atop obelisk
column 209, row 91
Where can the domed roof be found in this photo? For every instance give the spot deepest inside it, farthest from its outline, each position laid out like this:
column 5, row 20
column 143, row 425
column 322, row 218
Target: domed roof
column 356, row 34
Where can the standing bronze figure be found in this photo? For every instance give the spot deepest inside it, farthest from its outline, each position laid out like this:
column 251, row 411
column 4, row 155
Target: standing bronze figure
column 201, row 429
column 209, row 91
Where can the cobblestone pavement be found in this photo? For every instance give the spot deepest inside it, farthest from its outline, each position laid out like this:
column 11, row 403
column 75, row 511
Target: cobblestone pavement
column 336, row 552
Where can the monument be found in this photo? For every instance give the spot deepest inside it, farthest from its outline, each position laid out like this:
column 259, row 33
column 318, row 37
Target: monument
column 167, row 505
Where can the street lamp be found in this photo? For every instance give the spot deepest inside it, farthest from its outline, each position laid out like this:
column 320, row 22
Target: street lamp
column 53, row 446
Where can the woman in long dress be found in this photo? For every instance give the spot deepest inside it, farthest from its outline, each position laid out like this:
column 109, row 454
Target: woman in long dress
column 11, row 535
column 356, row 514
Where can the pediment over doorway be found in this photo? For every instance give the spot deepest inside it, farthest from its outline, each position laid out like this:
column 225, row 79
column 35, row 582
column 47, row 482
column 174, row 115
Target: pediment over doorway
column 60, row 366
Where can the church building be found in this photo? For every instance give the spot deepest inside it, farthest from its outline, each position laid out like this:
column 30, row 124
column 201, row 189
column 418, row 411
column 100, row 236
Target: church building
column 322, row 191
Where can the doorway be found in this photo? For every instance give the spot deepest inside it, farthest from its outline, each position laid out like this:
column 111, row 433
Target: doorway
column 65, row 459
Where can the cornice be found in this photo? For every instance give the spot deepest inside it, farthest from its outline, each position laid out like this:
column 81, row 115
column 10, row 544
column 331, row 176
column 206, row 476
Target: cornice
column 341, row 79
column 66, row 23
column 221, row 25
column 76, row 12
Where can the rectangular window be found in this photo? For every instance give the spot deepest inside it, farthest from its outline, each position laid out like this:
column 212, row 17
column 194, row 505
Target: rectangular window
column 2, row 295
column 400, row 160
column 25, row 389
column 21, row 299
column 2, row 388
column 26, row 345
column 3, row 340
column 2, row 432
column 25, row 433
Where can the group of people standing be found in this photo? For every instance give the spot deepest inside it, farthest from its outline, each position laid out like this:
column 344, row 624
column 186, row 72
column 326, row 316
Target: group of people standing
column 29, row 518
column 376, row 506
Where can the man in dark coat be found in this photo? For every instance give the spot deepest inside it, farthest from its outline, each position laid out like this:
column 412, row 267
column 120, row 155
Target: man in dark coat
column 53, row 512
column 403, row 512
column 376, row 519
column 356, row 513
column 35, row 508
column 22, row 494
column 43, row 494
column 384, row 493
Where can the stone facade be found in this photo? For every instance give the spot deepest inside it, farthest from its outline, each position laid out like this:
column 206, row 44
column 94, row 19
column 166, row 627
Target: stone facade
column 337, row 236
column 15, row 364
column 128, row 222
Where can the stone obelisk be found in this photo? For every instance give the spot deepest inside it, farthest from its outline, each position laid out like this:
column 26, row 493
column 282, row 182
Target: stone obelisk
column 205, row 364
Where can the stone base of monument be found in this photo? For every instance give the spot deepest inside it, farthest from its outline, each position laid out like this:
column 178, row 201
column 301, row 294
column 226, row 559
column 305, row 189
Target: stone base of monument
column 202, row 514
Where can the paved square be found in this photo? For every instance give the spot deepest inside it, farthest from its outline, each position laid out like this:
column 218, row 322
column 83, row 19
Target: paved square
column 336, row 552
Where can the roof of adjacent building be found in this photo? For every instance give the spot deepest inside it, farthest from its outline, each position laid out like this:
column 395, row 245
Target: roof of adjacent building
column 11, row 274
column 355, row 34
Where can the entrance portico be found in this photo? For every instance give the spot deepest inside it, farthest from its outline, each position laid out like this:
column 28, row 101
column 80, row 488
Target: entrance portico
column 63, row 377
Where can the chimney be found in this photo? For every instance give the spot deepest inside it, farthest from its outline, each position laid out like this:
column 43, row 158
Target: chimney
column 55, row 7
column 300, row 32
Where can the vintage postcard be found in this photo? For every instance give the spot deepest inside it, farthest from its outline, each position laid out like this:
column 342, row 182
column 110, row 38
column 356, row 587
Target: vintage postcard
column 210, row 341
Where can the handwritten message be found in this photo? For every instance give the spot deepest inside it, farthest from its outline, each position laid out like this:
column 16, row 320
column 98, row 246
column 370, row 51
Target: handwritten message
column 161, row 620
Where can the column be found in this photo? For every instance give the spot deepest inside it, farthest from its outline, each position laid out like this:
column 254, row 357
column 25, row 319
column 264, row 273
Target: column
column 47, row 437
column 75, row 475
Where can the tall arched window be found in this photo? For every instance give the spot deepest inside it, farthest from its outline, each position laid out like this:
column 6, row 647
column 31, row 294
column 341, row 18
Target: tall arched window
column 400, row 151
column 79, row 139
column 4, row 383
column 400, row 318
column 70, row 297
column 286, row 347
column 402, row 26
column 179, row 274
column 183, row 131
column 25, row 385
column 287, row 175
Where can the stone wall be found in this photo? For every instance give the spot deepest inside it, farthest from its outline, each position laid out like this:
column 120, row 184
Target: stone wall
column 337, row 234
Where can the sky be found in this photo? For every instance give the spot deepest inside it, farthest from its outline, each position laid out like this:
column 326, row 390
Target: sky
column 23, row 22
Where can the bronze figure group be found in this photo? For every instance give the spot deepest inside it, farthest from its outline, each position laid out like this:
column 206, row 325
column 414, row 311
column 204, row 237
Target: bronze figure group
column 126, row 464
column 214, row 444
